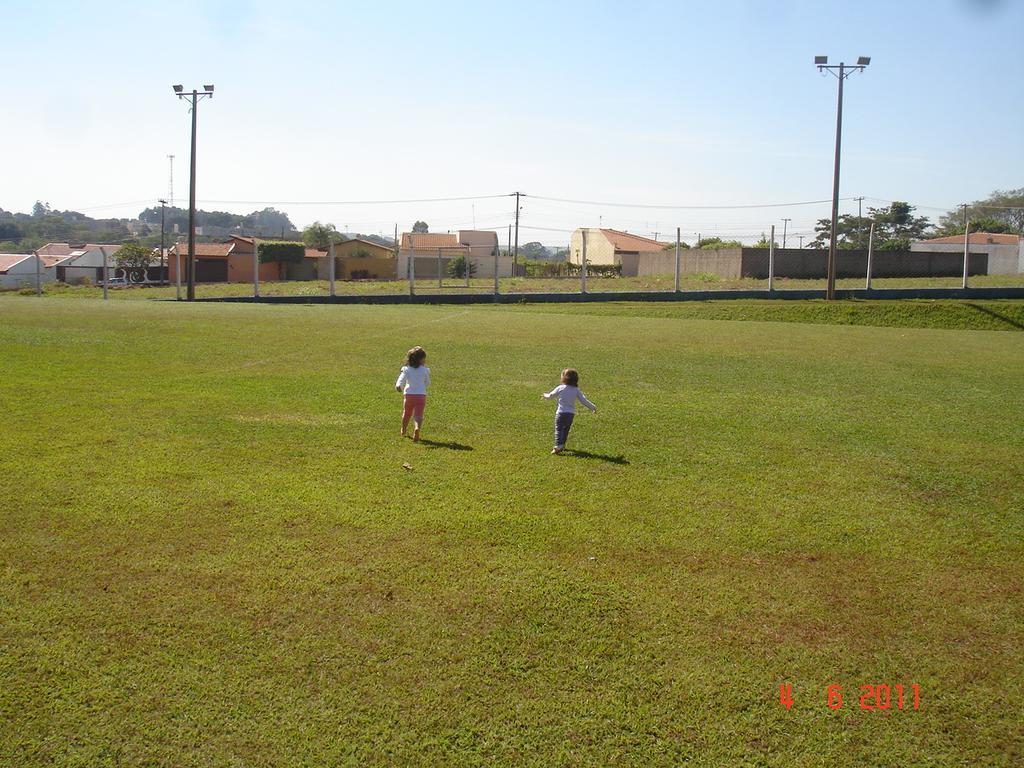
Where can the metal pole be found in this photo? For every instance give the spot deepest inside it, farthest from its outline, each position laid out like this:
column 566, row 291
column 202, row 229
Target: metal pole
column 438, row 267
column 330, row 267
column 255, row 268
column 106, row 276
column 967, row 230
column 412, row 268
column 583, row 265
column 468, row 263
column 677, row 259
column 163, row 245
column 497, row 253
column 515, row 253
column 830, row 290
column 192, row 206
column 771, row 260
column 871, row 251
column 39, row 274
column 785, row 222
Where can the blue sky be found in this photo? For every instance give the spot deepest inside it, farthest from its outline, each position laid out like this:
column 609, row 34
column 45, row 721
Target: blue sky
column 684, row 104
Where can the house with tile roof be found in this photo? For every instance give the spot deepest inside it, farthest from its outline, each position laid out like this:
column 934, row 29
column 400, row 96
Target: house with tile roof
column 610, row 246
column 433, row 248
column 1005, row 252
column 18, row 270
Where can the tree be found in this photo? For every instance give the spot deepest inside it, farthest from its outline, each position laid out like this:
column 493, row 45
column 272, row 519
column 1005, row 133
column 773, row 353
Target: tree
column 40, row 209
column 533, row 250
column 672, row 246
column 896, row 228
column 1006, row 208
column 132, row 256
column 320, row 236
column 420, row 226
column 713, row 243
column 457, row 267
column 763, row 242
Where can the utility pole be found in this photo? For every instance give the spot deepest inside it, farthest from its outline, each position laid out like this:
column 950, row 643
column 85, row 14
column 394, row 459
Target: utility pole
column 515, row 252
column 194, row 96
column 163, row 247
column 844, row 72
column 801, row 241
column 785, row 222
column 860, row 220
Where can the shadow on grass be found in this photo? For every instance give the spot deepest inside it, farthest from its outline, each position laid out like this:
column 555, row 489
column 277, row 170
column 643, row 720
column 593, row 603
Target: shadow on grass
column 449, row 446
column 1002, row 318
column 620, row 459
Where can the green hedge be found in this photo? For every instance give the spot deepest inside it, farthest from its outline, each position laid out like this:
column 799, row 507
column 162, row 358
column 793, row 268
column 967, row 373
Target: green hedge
column 281, row 250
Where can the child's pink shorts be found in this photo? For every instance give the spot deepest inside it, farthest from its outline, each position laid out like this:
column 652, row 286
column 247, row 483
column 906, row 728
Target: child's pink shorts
column 414, row 405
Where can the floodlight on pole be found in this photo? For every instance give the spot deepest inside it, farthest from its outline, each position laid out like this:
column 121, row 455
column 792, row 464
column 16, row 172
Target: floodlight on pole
column 842, row 71
column 193, row 96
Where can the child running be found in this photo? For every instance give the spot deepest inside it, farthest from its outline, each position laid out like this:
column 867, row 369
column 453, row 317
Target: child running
column 568, row 392
column 415, row 378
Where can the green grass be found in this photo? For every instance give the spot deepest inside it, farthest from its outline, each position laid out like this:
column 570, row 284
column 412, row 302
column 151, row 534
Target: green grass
column 211, row 553
column 702, row 282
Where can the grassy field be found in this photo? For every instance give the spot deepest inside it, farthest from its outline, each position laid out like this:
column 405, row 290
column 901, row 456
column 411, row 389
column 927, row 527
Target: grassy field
column 216, row 550
column 522, row 285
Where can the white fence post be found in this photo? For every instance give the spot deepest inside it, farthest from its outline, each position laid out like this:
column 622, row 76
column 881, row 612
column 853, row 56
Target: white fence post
column 677, row 259
column 967, row 239
column 771, row 260
column 177, row 270
column 871, row 253
column 583, row 264
column 330, row 267
column 106, row 274
column 412, row 271
column 255, row 268
column 497, row 252
column 39, row 274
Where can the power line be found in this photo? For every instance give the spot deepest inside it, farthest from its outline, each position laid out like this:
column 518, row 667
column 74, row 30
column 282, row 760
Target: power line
column 354, row 202
column 682, row 207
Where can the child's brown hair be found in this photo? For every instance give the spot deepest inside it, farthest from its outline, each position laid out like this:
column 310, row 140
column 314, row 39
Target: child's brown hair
column 571, row 377
column 415, row 357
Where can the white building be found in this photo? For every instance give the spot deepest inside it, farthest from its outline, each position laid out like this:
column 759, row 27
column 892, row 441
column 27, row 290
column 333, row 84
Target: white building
column 18, row 269
column 1005, row 252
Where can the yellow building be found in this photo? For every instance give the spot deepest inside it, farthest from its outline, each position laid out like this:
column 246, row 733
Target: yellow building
column 360, row 260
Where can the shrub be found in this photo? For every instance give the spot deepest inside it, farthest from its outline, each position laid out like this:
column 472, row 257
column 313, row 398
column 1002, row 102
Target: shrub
column 280, row 250
column 457, row 267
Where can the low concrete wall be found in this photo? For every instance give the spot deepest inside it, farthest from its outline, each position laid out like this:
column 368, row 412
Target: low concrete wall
column 724, row 262
column 811, row 264
column 1002, row 259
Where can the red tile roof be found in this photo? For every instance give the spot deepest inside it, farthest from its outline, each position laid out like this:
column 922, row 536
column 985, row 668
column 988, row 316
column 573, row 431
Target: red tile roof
column 66, row 249
column 417, row 240
column 205, row 250
column 623, row 241
column 8, row 260
column 979, row 238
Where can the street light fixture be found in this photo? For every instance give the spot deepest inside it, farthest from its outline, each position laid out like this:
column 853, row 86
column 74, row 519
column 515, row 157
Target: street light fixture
column 842, row 71
column 194, row 96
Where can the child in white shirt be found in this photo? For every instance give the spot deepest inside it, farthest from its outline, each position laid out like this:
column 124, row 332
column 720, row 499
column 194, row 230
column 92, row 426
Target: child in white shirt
column 568, row 392
column 413, row 380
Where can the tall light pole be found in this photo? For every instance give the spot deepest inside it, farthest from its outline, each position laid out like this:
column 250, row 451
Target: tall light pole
column 785, row 222
column 842, row 71
column 194, row 96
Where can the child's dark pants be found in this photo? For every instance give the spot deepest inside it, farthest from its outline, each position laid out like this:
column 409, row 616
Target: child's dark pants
column 563, row 421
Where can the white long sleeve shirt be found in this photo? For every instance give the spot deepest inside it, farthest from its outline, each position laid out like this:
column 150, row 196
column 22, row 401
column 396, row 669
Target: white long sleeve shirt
column 415, row 380
column 567, row 396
